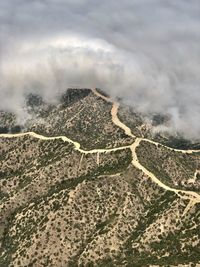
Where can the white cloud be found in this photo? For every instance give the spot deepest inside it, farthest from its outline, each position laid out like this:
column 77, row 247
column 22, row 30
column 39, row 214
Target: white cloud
column 146, row 51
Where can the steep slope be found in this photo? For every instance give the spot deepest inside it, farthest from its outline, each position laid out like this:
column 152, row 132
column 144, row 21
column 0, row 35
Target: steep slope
column 79, row 189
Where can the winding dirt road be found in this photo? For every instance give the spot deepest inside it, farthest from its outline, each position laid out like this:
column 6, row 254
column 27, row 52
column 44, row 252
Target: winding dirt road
column 193, row 197
column 65, row 139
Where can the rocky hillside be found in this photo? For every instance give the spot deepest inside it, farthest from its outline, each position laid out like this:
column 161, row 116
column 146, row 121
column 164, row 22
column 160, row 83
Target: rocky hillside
column 77, row 189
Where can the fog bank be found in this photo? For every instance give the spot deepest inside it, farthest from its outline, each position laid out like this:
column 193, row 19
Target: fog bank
column 144, row 51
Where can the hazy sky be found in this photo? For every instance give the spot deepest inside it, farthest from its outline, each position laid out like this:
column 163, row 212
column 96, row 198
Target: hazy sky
column 146, row 51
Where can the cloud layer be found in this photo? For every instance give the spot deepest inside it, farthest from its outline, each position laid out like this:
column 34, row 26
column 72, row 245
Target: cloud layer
column 145, row 51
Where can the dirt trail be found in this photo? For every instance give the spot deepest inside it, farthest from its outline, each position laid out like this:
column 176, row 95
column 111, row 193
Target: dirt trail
column 107, row 99
column 181, row 193
column 42, row 137
column 193, row 197
column 114, row 113
column 188, row 151
column 116, row 121
column 65, row 139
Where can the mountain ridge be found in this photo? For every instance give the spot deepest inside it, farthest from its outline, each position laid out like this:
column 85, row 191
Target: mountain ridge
column 125, row 154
